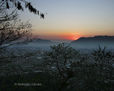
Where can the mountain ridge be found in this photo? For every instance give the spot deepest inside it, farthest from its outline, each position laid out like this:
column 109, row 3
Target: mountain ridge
column 39, row 40
column 95, row 39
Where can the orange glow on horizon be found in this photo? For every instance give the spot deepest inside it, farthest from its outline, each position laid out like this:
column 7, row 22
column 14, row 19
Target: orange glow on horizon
column 70, row 37
column 64, row 36
column 76, row 36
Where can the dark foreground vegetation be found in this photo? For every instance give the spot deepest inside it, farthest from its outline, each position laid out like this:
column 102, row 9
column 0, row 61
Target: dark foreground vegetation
column 65, row 69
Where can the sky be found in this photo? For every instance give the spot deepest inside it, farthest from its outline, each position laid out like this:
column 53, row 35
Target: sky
column 71, row 19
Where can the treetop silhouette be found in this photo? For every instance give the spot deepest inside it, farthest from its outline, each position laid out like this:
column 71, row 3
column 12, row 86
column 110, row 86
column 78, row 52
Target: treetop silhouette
column 21, row 4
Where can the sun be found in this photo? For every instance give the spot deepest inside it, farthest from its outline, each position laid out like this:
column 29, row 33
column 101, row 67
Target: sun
column 76, row 36
column 71, row 36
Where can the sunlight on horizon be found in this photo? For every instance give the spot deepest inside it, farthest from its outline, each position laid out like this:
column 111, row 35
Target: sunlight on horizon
column 66, row 18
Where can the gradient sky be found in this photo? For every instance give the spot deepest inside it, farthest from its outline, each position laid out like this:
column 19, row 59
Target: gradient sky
column 71, row 19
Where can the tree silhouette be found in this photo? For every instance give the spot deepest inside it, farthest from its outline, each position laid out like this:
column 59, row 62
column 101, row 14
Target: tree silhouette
column 12, row 29
column 58, row 61
column 20, row 5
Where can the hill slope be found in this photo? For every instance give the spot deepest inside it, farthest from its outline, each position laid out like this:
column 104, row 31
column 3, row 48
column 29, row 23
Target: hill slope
column 38, row 40
column 95, row 39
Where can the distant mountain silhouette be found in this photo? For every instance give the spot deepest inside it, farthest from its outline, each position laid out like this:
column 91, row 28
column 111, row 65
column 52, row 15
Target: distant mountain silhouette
column 95, row 39
column 38, row 40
